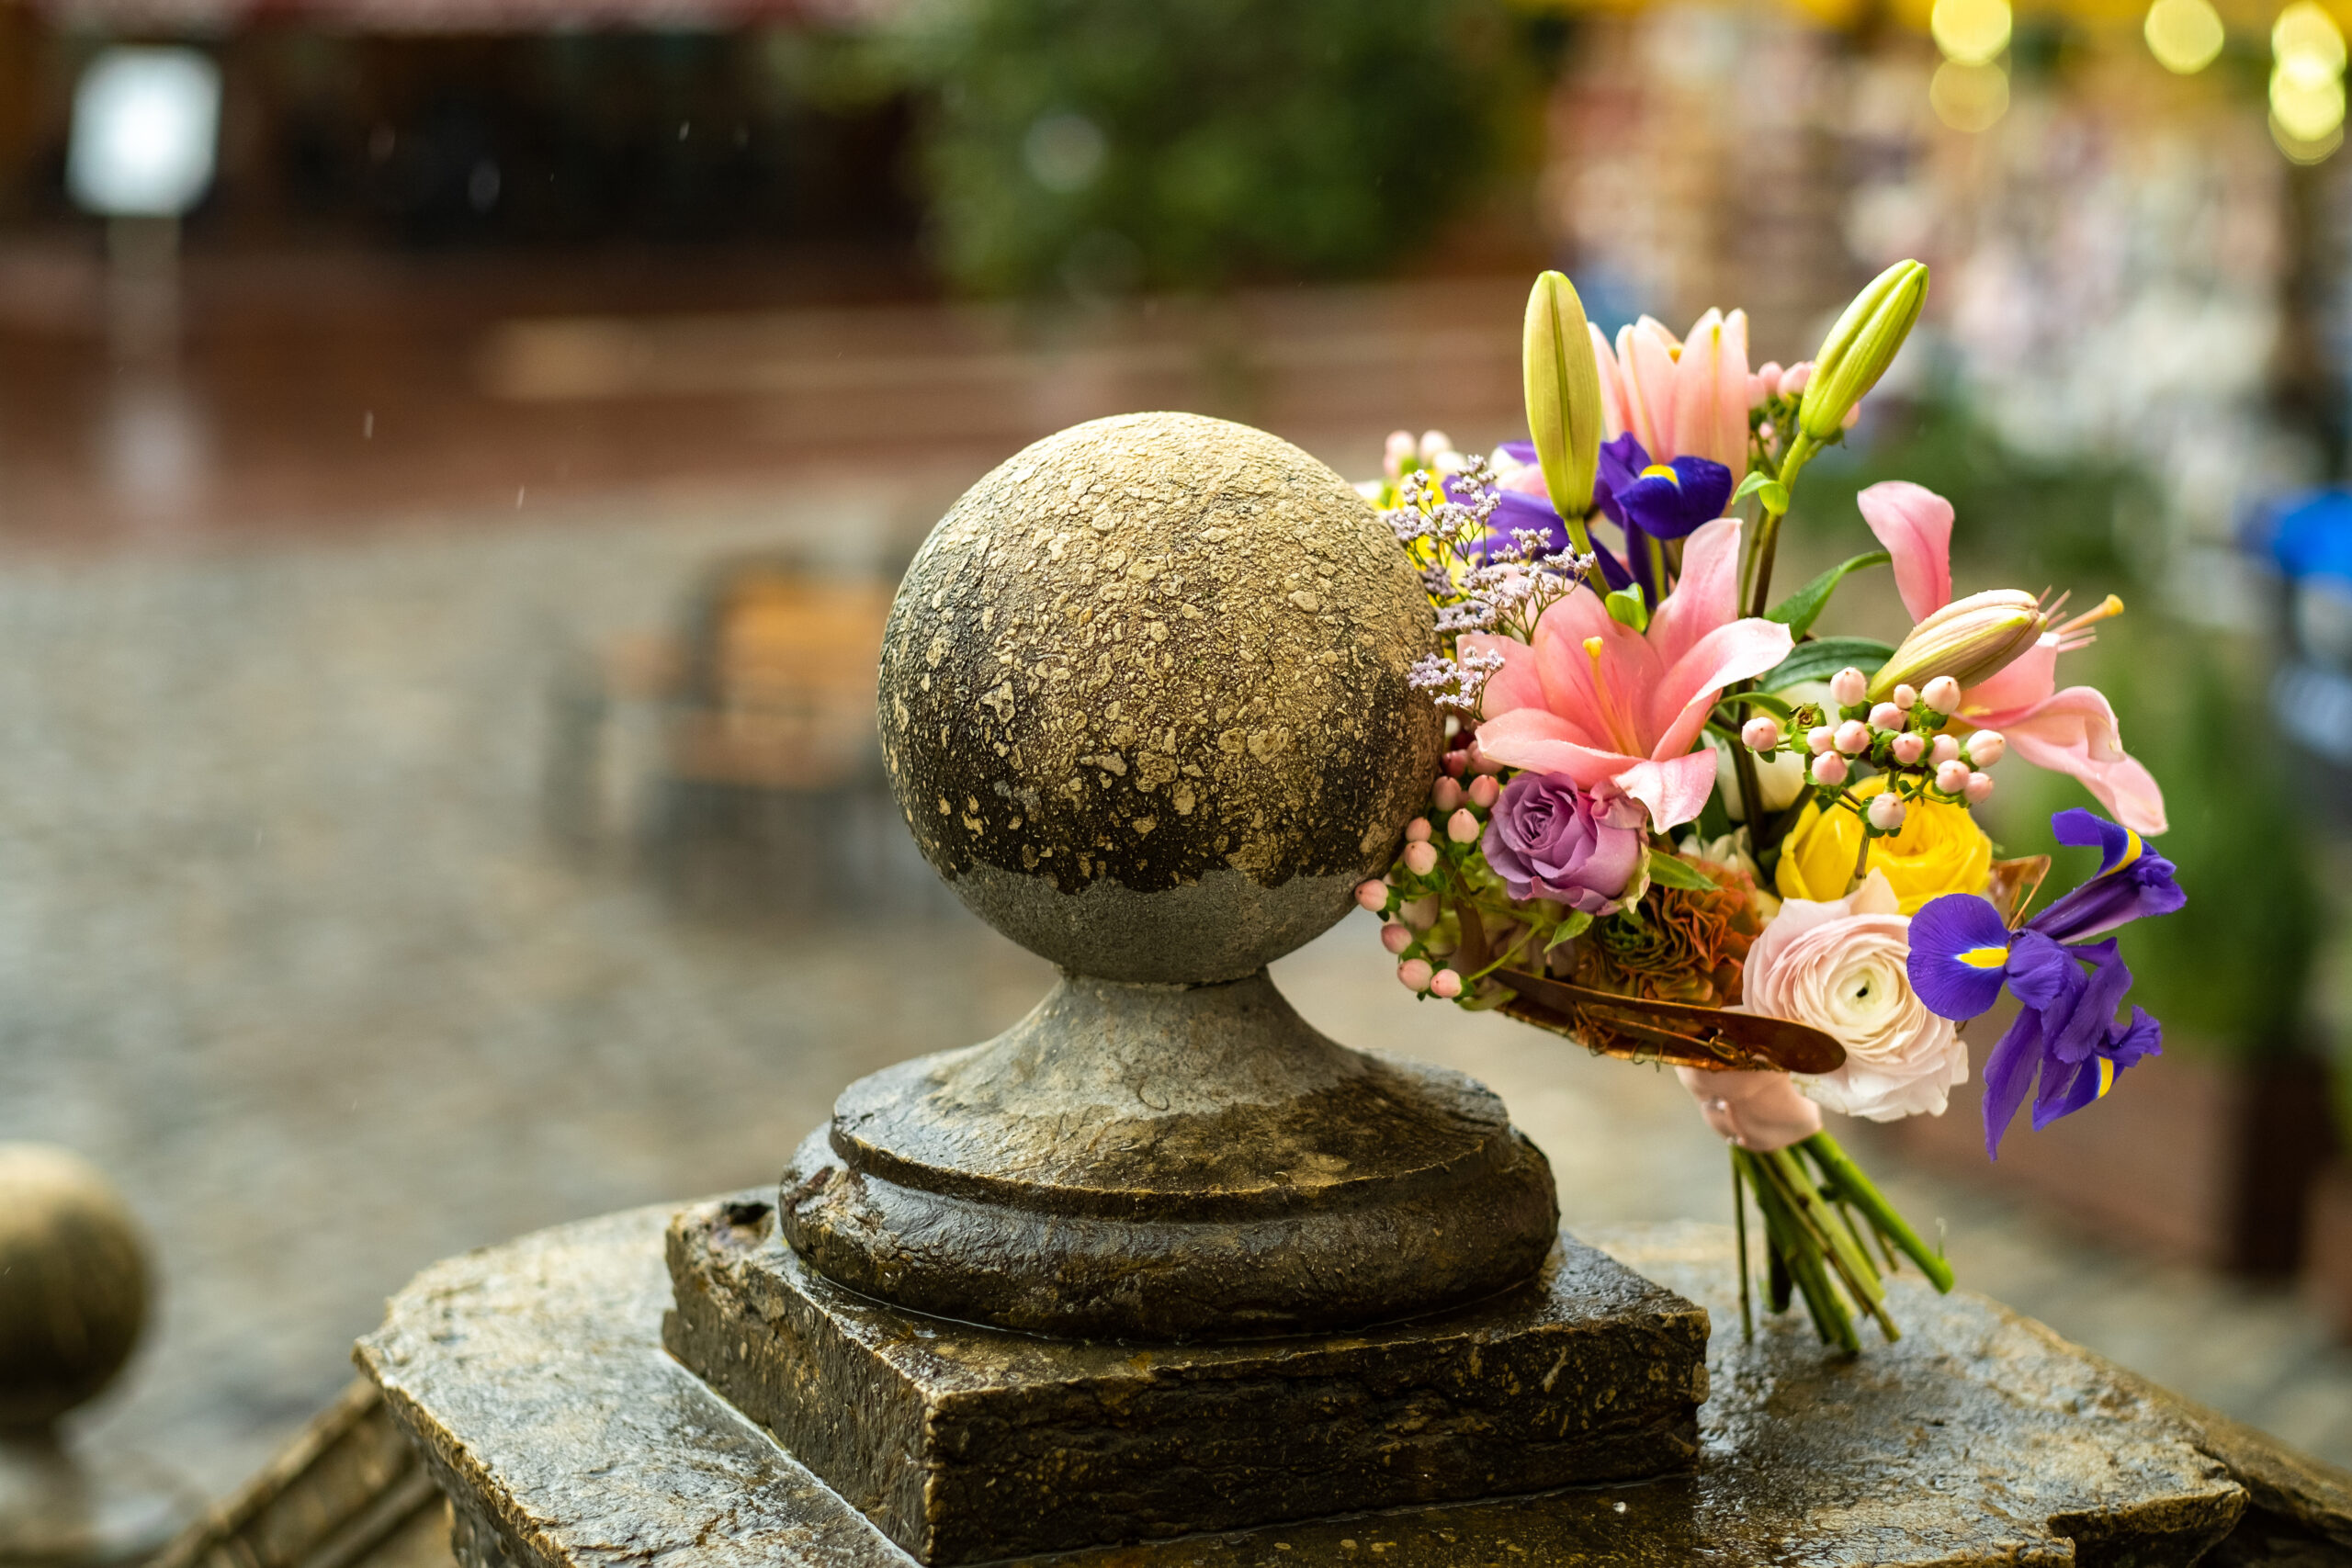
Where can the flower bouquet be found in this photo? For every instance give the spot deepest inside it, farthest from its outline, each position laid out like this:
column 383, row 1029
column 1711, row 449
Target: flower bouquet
column 1678, row 825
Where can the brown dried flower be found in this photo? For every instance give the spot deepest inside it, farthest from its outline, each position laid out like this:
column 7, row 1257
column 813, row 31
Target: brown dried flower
column 1688, row 946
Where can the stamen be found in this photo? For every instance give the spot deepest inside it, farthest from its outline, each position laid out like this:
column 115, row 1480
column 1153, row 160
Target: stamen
column 2109, row 608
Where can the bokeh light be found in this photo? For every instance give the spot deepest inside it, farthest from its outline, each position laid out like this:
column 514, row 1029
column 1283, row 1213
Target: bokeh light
column 2306, row 42
column 2186, row 36
column 1969, row 97
column 2306, row 82
column 1973, row 33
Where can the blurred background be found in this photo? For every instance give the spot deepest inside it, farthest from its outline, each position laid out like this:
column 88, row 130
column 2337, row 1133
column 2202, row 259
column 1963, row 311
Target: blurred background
column 455, row 457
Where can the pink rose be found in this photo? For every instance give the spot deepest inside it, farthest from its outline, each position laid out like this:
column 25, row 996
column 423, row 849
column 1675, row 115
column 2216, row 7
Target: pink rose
column 1842, row 967
column 1760, row 1111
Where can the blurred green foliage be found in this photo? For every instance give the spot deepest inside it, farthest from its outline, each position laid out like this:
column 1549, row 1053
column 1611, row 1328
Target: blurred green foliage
column 2230, row 974
column 1101, row 146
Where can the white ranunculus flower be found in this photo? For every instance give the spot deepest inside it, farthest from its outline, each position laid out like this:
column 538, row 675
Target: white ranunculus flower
column 1840, row 968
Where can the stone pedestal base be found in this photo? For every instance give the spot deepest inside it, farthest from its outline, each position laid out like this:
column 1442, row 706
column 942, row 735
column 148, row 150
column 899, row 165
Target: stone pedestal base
column 965, row 1444
column 532, row 1377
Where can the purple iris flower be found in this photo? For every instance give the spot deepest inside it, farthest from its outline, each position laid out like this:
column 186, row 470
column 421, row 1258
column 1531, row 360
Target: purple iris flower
column 1520, row 511
column 2065, row 1032
column 1666, row 501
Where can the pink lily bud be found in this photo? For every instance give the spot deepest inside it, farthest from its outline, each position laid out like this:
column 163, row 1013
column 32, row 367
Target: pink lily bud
column 1420, row 859
column 1942, row 694
column 1796, row 378
column 1395, row 936
column 1761, row 733
column 1986, row 747
column 1462, row 828
column 1829, row 769
column 1483, row 790
column 1414, row 974
column 1399, row 453
column 1445, row 983
column 1819, row 739
column 1886, row 716
column 1848, row 686
column 1980, row 788
column 1372, row 894
column 1887, row 811
column 1480, row 761
column 1447, row 796
column 1853, row 737
column 1903, row 697
column 1944, row 750
column 1909, row 749
column 1416, row 831
column 1951, row 777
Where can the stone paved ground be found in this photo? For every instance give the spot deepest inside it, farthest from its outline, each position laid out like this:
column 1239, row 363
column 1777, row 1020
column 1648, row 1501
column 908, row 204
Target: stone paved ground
column 285, row 946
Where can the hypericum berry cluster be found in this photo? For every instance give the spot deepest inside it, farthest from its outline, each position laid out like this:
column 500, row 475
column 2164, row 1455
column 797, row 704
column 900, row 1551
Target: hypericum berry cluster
column 1902, row 738
column 1439, row 862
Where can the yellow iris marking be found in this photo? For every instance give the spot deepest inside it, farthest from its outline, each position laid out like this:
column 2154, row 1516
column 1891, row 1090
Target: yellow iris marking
column 1660, row 471
column 2106, row 1077
column 2132, row 849
column 1986, row 957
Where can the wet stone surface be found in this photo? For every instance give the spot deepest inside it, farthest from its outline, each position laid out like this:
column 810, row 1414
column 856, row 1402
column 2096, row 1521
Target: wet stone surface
column 532, row 1375
column 965, row 1444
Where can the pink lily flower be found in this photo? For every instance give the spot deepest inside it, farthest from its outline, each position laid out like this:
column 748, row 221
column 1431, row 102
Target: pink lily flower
column 1618, row 709
column 1686, row 398
column 2072, row 731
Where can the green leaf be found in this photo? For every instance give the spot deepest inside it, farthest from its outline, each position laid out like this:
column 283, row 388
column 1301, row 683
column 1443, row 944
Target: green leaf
column 1820, row 660
column 1572, row 926
column 1799, row 610
column 1759, row 482
column 1672, row 871
column 1626, row 608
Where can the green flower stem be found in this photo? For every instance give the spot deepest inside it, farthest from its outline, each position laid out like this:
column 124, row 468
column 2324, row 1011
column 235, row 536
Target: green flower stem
column 1838, row 1247
column 1739, row 1232
column 1800, row 1252
column 1776, row 1271
column 1768, row 527
column 1849, row 1180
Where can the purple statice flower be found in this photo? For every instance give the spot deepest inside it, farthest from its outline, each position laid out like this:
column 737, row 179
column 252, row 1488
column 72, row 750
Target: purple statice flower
column 1548, row 839
column 2069, row 986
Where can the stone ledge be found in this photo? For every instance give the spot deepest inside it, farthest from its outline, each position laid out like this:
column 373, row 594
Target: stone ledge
column 532, row 1377
column 967, row 1444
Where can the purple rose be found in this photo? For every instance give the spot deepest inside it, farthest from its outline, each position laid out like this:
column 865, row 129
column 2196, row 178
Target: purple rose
column 1547, row 838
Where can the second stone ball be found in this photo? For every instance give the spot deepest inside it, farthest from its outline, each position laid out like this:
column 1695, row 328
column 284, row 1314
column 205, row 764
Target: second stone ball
column 1143, row 697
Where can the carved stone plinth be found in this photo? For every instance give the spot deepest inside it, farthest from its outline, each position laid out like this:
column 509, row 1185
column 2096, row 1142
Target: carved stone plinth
column 532, row 1377
column 965, row 1444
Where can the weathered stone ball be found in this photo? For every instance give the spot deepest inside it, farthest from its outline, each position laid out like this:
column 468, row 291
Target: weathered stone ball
column 1143, row 697
column 73, row 1282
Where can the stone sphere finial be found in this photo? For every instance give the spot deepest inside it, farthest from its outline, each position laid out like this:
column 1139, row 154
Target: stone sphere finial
column 1144, row 699
column 73, row 1283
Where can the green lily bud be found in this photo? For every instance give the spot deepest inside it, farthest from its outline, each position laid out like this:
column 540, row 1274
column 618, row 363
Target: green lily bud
column 1861, row 346
column 1969, row 639
column 1563, row 395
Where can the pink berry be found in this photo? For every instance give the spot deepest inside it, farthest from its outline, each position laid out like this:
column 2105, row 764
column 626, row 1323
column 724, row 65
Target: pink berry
column 1820, row 738
column 1980, row 788
column 1942, row 694
column 1986, row 748
column 1414, row 974
column 1944, row 750
column 1761, row 733
column 1445, row 983
column 1462, row 828
column 1853, row 737
column 1372, row 896
column 1448, row 794
column 1886, row 812
column 1420, row 859
column 1455, row 764
column 1485, row 790
column 1951, row 777
column 1909, row 749
column 1395, row 936
column 1416, row 831
column 1848, row 686
column 1796, row 378
column 1886, row 716
column 1903, row 697
column 1480, row 762
column 1829, row 769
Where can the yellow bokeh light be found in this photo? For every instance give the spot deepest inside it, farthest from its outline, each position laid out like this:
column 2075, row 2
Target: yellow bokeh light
column 2186, row 36
column 1969, row 97
column 2306, row 41
column 2306, row 109
column 2299, row 151
column 1973, row 33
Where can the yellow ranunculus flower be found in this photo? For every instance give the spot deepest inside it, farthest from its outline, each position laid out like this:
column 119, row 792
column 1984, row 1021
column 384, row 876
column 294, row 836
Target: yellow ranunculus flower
column 1940, row 850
